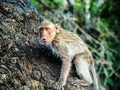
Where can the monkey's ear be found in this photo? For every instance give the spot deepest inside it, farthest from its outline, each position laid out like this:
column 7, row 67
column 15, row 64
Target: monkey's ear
column 57, row 28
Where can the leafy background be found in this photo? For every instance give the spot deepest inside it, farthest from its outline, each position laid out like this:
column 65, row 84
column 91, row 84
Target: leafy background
column 97, row 22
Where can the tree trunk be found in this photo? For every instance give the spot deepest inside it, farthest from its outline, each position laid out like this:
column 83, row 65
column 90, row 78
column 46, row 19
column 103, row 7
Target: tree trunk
column 23, row 62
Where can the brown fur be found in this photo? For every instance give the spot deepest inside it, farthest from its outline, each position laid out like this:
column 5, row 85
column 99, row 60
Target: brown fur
column 71, row 48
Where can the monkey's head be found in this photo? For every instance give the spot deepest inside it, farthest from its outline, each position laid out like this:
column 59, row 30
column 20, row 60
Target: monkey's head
column 48, row 31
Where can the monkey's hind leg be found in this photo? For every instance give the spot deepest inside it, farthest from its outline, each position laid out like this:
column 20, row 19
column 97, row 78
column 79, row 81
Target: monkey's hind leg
column 82, row 68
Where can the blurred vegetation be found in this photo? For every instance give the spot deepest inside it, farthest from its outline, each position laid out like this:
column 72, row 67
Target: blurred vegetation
column 98, row 23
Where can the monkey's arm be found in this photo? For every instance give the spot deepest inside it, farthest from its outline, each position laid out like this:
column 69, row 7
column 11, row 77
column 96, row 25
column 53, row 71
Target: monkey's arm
column 66, row 65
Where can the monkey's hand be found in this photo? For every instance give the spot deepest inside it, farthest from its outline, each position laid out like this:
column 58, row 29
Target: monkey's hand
column 58, row 85
column 81, row 83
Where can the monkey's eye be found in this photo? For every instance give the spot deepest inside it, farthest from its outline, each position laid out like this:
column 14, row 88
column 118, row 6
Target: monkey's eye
column 47, row 28
column 44, row 28
column 41, row 29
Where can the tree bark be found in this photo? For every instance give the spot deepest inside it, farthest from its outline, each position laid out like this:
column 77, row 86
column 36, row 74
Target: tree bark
column 24, row 64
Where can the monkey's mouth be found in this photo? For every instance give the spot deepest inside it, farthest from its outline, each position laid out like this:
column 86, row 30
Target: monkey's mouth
column 44, row 40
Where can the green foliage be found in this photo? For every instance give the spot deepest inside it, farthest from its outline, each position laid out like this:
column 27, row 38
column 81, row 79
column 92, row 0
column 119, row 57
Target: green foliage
column 46, row 5
column 37, row 5
column 110, row 11
column 78, row 5
column 102, row 27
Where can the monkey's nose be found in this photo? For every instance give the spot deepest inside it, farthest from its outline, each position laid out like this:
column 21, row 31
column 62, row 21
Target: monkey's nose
column 44, row 40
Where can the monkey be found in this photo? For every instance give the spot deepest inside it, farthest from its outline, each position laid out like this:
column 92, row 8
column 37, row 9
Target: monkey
column 72, row 50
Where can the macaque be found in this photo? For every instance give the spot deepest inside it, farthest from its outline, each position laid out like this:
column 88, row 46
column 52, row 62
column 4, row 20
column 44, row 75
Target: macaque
column 72, row 49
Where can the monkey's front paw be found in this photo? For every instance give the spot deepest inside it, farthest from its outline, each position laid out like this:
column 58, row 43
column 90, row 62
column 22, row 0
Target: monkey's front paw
column 58, row 86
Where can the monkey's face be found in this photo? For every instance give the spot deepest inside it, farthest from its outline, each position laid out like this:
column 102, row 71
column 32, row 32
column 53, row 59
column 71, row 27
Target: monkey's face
column 48, row 32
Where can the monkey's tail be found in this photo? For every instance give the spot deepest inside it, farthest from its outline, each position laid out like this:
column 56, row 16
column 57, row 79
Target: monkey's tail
column 94, row 77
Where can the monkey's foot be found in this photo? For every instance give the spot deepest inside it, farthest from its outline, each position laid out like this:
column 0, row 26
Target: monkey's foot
column 80, row 82
column 58, row 86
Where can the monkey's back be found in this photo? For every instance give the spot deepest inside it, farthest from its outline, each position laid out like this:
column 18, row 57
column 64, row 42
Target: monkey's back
column 71, row 38
column 72, row 45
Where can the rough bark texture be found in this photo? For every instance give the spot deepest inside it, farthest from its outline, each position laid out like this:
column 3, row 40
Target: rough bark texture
column 23, row 62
